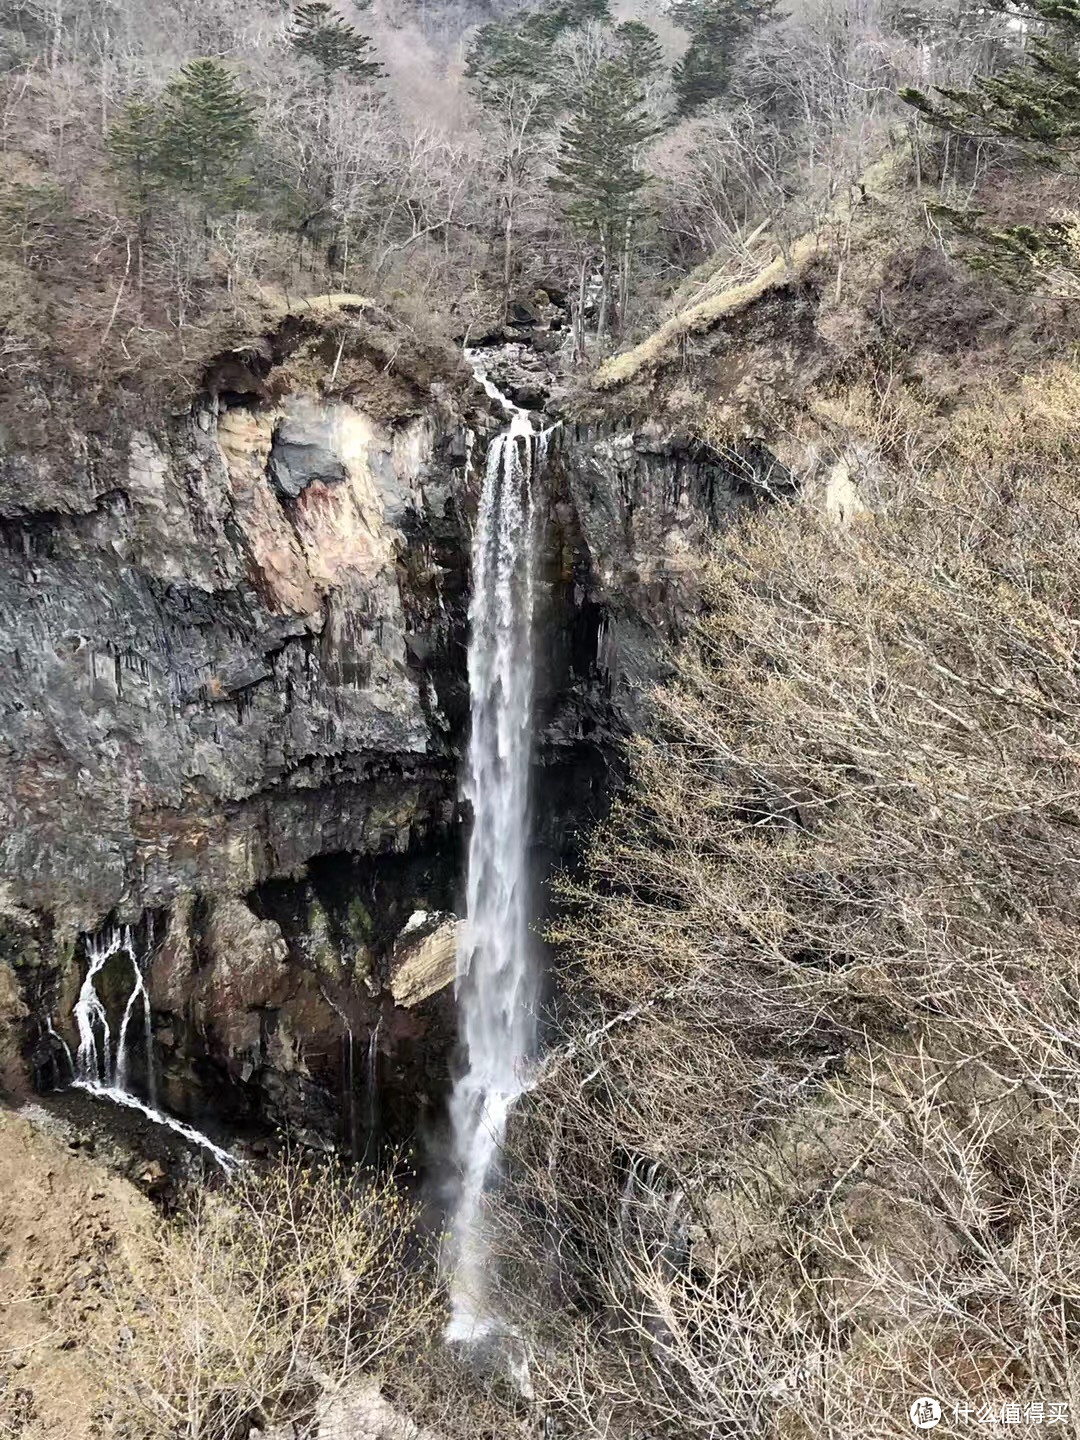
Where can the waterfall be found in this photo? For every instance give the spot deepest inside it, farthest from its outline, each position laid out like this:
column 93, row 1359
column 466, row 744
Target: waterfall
column 496, row 980
column 371, row 1095
column 100, row 1066
column 104, row 1069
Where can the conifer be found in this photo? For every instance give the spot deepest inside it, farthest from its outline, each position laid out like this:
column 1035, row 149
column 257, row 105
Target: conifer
column 598, row 170
column 597, row 167
column 1035, row 102
column 319, row 33
column 718, row 29
column 206, row 127
column 134, row 142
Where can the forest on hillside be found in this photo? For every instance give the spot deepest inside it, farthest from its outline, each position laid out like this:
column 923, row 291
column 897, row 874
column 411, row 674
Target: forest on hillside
column 168, row 170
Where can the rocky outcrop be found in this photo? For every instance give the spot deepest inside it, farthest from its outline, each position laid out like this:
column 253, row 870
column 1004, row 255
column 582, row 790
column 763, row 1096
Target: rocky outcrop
column 425, row 958
column 186, row 669
column 356, row 1411
column 229, row 643
column 636, row 504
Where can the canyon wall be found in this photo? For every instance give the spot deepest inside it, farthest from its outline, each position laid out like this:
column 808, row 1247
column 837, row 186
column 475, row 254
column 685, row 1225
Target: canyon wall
column 234, row 704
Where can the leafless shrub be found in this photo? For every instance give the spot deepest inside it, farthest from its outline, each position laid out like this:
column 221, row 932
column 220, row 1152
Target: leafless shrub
column 277, row 1288
column 811, row 1149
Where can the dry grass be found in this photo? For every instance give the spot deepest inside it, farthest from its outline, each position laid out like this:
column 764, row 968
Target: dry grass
column 61, row 1219
column 706, row 313
column 270, row 1295
column 712, row 294
column 277, row 305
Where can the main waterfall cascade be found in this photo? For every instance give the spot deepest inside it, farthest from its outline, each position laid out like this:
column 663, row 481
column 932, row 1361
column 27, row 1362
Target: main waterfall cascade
column 496, row 983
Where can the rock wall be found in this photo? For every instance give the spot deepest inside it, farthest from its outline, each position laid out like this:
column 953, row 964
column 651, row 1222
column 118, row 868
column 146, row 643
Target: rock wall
column 229, row 644
column 234, row 703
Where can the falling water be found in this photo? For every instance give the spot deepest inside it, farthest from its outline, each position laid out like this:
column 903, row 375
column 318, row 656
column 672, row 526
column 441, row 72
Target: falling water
column 106, row 1071
column 94, row 1065
column 62, row 1044
column 371, row 1095
column 123, row 1053
column 495, row 972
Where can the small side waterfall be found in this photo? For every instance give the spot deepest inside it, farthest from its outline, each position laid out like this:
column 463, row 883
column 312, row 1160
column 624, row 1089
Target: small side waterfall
column 96, row 1064
column 105, row 1069
column 496, row 978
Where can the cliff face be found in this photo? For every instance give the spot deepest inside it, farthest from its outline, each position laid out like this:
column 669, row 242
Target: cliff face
column 199, row 672
column 231, row 643
column 232, row 654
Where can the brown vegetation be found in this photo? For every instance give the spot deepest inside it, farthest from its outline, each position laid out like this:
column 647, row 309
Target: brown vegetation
column 271, row 1292
column 814, row 1148
column 410, row 186
column 245, row 1309
column 62, row 1217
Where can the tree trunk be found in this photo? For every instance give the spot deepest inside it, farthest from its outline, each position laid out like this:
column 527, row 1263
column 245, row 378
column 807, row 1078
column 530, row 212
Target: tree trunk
column 579, row 317
column 605, row 286
column 624, row 279
column 508, row 241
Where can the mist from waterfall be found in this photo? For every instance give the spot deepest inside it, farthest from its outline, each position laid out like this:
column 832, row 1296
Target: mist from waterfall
column 496, row 983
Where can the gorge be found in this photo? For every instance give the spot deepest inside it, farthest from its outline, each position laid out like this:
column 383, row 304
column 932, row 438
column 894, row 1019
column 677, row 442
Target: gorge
column 539, row 719
column 313, row 688
column 249, row 631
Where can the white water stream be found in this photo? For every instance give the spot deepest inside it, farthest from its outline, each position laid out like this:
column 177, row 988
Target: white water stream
column 106, row 1071
column 496, row 977
column 94, row 1065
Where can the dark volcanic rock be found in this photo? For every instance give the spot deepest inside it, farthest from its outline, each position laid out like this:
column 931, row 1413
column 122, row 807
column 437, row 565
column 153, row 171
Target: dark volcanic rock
column 303, row 451
column 233, row 705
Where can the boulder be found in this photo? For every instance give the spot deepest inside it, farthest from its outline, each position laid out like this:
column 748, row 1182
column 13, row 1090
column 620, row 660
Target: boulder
column 425, row 957
column 304, row 450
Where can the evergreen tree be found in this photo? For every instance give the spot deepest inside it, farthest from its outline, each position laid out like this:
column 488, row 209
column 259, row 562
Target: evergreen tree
column 320, row 34
column 133, row 143
column 598, row 168
column 206, row 127
column 517, row 66
column 639, row 51
column 718, row 29
column 1035, row 102
column 520, row 53
column 1025, row 257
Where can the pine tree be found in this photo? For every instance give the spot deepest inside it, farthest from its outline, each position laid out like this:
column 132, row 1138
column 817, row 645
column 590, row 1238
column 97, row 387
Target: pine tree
column 521, row 52
column 133, row 143
column 320, row 34
column 598, row 168
column 516, row 66
column 718, row 30
column 206, row 128
column 1035, row 102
